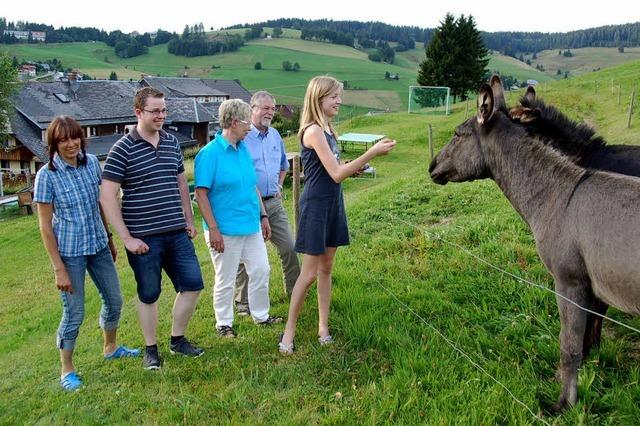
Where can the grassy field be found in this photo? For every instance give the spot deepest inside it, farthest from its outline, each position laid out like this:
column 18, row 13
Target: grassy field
column 389, row 364
column 314, row 58
column 585, row 60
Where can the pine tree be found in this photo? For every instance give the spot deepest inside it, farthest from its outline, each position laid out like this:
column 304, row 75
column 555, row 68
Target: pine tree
column 456, row 57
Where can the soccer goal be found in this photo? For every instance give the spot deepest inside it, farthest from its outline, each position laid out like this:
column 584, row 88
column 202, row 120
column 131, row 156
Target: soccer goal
column 429, row 100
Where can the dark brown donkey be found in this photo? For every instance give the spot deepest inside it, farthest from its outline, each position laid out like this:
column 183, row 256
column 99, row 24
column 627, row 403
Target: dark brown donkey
column 580, row 143
column 585, row 223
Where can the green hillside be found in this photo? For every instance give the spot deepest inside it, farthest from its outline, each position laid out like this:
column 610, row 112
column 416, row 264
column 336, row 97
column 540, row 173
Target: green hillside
column 366, row 77
column 399, row 290
column 367, row 88
column 585, row 60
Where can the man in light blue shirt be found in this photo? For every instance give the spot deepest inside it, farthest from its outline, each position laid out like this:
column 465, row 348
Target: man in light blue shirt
column 266, row 147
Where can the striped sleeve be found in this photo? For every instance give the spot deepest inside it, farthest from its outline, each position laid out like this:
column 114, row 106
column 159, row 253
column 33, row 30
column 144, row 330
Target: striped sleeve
column 116, row 164
column 180, row 156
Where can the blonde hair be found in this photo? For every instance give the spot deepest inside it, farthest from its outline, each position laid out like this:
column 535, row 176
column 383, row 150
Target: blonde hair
column 319, row 88
column 233, row 109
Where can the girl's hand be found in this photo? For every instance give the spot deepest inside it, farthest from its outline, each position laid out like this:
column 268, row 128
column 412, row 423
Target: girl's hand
column 63, row 282
column 384, row 146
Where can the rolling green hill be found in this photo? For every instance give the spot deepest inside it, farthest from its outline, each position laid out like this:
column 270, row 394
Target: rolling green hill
column 98, row 60
column 585, row 60
column 367, row 88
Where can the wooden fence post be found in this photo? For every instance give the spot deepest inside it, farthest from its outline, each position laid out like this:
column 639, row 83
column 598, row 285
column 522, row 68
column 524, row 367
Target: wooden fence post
column 296, row 191
column 618, row 94
column 430, row 144
column 466, row 113
column 633, row 96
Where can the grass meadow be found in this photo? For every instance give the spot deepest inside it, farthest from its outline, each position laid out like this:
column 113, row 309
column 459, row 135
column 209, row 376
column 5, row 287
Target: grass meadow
column 422, row 328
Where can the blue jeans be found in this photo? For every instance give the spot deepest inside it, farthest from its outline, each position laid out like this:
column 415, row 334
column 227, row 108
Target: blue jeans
column 172, row 251
column 103, row 273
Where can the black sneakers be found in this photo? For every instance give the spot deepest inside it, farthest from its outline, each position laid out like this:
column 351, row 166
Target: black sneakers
column 186, row 348
column 151, row 360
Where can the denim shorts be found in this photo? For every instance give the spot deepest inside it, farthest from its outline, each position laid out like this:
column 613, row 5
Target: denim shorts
column 172, row 251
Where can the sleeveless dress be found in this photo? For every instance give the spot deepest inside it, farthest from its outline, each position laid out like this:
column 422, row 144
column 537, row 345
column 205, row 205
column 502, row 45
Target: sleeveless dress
column 323, row 221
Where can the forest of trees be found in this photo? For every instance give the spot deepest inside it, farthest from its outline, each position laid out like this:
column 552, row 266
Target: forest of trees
column 351, row 33
column 125, row 45
column 514, row 43
column 194, row 42
column 368, row 34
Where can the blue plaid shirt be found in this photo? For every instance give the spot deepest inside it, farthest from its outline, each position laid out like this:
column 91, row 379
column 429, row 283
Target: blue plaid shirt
column 74, row 193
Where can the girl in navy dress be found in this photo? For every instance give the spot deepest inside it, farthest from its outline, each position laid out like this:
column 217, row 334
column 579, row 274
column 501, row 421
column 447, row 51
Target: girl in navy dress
column 322, row 226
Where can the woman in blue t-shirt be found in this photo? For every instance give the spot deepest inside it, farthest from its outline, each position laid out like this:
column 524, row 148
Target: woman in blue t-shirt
column 74, row 233
column 322, row 225
column 234, row 219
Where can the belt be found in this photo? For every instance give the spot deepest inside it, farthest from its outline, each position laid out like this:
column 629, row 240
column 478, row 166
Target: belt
column 268, row 197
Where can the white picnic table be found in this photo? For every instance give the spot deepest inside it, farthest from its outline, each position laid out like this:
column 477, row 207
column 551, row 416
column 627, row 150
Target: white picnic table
column 360, row 140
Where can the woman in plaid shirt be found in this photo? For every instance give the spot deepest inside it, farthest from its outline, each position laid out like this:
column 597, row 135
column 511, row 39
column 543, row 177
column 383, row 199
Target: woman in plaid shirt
column 74, row 233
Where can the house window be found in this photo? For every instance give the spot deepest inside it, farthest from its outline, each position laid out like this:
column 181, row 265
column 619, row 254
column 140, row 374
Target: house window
column 5, row 165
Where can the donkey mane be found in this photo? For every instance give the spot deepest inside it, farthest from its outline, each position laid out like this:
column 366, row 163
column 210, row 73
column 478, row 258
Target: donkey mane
column 556, row 129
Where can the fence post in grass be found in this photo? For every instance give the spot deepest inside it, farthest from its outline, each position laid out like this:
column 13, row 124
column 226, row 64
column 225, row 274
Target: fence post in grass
column 430, row 143
column 296, row 191
column 466, row 113
column 633, row 95
column 618, row 94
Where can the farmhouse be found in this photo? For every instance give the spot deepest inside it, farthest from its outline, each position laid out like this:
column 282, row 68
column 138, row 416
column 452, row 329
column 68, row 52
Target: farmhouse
column 104, row 110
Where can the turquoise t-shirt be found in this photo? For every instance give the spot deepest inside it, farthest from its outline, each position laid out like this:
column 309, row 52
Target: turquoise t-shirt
column 229, row 175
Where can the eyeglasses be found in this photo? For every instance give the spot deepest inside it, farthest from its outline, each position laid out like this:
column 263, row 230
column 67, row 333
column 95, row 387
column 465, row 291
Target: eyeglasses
column 157, row 112
column 244, row 122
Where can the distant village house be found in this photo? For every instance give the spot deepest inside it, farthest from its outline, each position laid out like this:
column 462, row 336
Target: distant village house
column 24, row 35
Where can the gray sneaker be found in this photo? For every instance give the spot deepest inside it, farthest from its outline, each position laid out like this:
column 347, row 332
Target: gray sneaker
column 243, row 309
column 226, row 331
column 185, row 347
column 151, row 360
column 270, row 320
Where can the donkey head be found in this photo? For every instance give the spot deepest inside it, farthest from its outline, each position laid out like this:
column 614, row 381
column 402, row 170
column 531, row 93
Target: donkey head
column 462, row 158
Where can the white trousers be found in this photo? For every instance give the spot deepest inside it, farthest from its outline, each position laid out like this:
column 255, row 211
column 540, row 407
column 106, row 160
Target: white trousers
column 252, row 251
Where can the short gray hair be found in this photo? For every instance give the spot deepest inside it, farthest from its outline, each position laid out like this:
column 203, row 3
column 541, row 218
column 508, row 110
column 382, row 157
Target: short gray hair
column 233, row 109
column 259, row 95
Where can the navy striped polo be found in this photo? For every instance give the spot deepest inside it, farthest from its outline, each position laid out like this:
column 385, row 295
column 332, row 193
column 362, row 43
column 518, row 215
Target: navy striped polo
column 148, row 177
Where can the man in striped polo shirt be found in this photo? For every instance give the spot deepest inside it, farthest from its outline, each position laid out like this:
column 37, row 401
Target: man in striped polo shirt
column 155, row 221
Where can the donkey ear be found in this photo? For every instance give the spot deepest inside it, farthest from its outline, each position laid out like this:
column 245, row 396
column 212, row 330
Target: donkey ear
column 524, row 115
column 498, row 93
column 530, row 94
column 485, row 104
